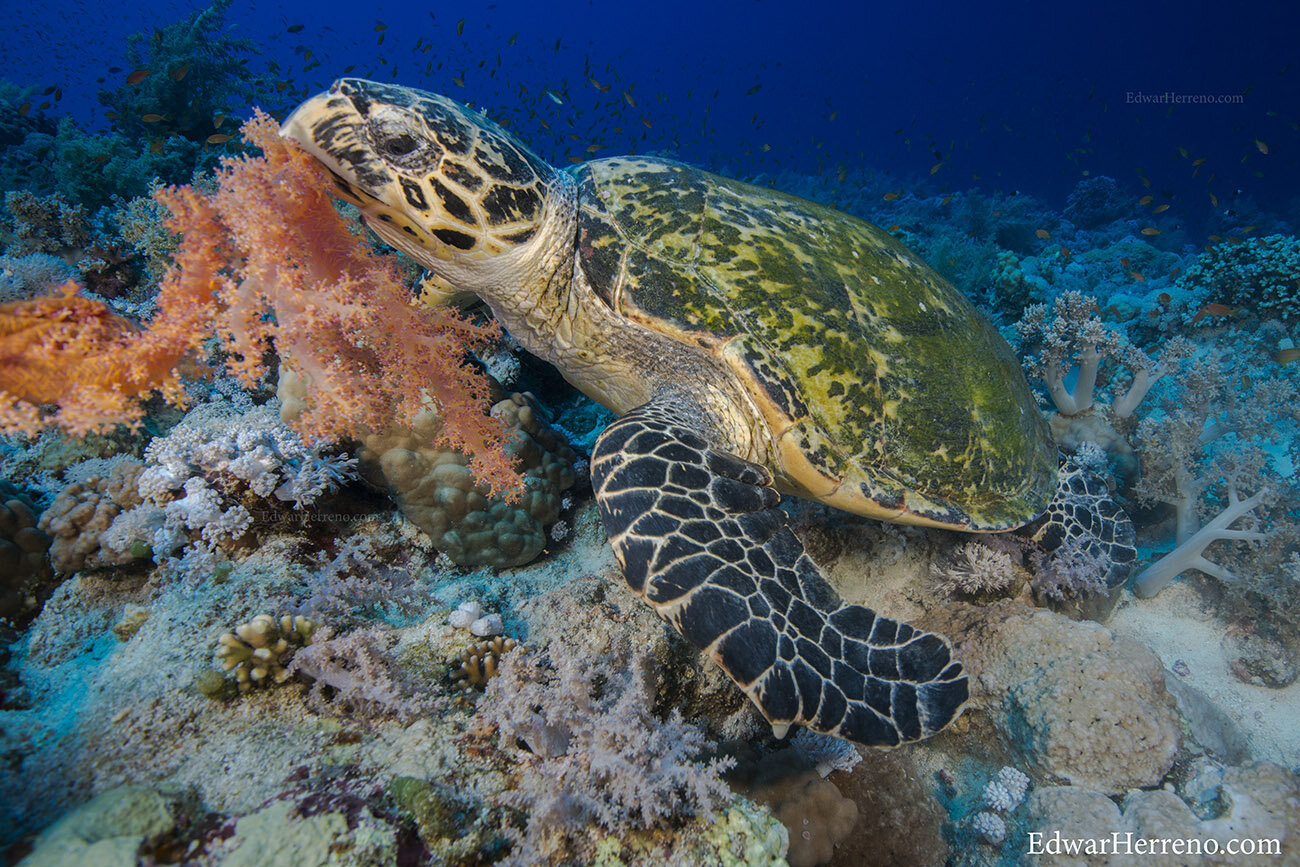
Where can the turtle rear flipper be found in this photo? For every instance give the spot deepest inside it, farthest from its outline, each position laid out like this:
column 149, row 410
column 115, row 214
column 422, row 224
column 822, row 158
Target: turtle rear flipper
column 1084, row 518
column 699, row 536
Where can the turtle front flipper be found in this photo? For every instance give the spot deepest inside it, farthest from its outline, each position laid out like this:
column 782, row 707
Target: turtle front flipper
column 699, row 535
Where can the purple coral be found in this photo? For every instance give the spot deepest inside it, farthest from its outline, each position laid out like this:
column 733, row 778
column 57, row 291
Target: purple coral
column 592, row 746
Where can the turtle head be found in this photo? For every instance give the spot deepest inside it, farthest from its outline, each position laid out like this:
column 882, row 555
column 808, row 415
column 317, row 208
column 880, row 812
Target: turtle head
column 433, row 178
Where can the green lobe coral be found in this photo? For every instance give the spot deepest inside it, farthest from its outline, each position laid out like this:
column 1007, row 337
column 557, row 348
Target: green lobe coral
column 435, row 487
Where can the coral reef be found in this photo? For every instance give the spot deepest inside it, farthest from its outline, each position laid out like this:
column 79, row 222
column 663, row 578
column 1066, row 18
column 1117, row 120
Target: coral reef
column 1007, row 791
column 488, row 690
column 1097, row 201
column 195, row 77
column 435, row 488
column 1261, row 275
column 141, row 224
column 44, row 224
column 72, row 351
column 354, row 674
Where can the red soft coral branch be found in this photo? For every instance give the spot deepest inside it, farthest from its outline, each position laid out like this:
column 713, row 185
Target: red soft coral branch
column 266, row 263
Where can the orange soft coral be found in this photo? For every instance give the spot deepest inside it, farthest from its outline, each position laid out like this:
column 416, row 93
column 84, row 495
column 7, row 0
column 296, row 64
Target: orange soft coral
column 266, row 263
column 75, row 353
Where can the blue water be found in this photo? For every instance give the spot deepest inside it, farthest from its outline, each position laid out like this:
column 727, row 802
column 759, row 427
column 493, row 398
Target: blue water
column 1020, row 96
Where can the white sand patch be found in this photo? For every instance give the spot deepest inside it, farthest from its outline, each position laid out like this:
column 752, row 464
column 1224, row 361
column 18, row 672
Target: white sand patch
column 1177, row 625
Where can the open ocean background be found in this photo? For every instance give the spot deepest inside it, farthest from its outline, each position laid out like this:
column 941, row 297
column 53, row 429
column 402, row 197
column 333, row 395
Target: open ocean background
column 1012, row 96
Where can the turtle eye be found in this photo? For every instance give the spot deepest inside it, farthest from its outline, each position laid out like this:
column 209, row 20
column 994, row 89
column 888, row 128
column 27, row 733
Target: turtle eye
column 396, row 142
column 399, row 145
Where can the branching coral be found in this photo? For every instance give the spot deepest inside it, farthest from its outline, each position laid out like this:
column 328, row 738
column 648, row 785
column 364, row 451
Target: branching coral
column 1190, row 554
column 1262, row 275
column 1070, row 340
column 259, row 651
column 267, row 242
column 1181, row 466
column 213, row 475
column 480, row 663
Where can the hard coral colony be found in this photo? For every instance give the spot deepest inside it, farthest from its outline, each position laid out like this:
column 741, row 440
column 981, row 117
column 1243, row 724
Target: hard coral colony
column 304, row 552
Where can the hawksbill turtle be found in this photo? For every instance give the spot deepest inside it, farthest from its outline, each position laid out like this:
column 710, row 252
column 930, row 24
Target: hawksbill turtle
column 753, row 344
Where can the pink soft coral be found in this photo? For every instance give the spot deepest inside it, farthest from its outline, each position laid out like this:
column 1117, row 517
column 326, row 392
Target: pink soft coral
column 266, row 263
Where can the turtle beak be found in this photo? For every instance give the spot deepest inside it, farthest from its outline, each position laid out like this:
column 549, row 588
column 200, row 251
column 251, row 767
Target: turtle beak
column 299, row 125
column 330, row 127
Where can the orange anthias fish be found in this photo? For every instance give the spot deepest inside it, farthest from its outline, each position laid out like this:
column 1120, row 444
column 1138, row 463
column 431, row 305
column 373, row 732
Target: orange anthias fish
column 1212, row 310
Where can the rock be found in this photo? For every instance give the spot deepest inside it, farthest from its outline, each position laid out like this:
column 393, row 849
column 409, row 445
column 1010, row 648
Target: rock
column 1259, row 659
column 1216, row 732
column 108, row 831
column 278, row 834
column 1075, row 702
column 1260, row 802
